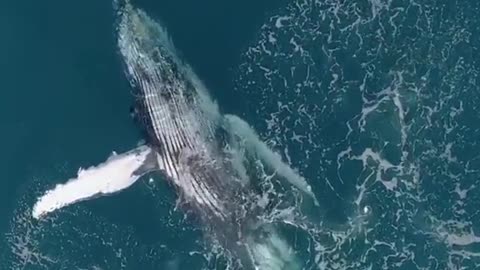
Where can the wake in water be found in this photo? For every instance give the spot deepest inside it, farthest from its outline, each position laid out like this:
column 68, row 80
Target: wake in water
column 376, row 102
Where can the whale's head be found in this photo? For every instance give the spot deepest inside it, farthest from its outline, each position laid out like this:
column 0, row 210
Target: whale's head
column 158, row 74
column 150, row 58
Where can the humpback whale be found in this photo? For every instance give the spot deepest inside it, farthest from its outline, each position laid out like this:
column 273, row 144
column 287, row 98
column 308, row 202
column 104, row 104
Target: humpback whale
column 188, row 141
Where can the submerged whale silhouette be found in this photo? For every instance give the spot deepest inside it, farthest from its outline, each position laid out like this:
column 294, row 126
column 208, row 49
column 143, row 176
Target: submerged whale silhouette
column 199, row 150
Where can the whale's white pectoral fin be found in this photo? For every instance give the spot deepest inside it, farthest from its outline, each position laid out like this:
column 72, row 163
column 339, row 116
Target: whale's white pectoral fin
column 267, row 155
column 118, row 172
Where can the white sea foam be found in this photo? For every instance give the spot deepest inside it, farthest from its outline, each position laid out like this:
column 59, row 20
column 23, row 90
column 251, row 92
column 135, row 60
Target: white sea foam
column 273, row 252
column 117, row 173
column 462, row 239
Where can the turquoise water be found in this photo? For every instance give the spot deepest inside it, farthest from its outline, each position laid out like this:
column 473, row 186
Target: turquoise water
column 375, row 102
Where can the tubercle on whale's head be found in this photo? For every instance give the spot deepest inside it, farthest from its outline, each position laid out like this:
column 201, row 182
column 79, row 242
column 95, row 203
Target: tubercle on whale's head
column 150, row 60
column 136, row 30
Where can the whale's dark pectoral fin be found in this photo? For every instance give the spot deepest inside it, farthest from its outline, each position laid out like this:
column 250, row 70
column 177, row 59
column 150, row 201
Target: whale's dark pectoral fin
column 117, row 173
column 270, row 158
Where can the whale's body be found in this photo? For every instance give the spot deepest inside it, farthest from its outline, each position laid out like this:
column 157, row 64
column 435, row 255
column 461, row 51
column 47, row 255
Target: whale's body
column 190, row 143
column 170, row 106
column 183, row 127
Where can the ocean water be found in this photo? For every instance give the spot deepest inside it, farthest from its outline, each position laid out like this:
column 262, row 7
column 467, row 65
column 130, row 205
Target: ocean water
column 374, row 102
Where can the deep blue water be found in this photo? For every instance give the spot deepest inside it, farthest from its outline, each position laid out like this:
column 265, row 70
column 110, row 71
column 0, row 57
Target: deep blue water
column 375, row 102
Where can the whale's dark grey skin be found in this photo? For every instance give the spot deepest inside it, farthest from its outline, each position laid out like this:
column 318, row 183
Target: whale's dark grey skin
column 184, row 128
column 169, row 105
